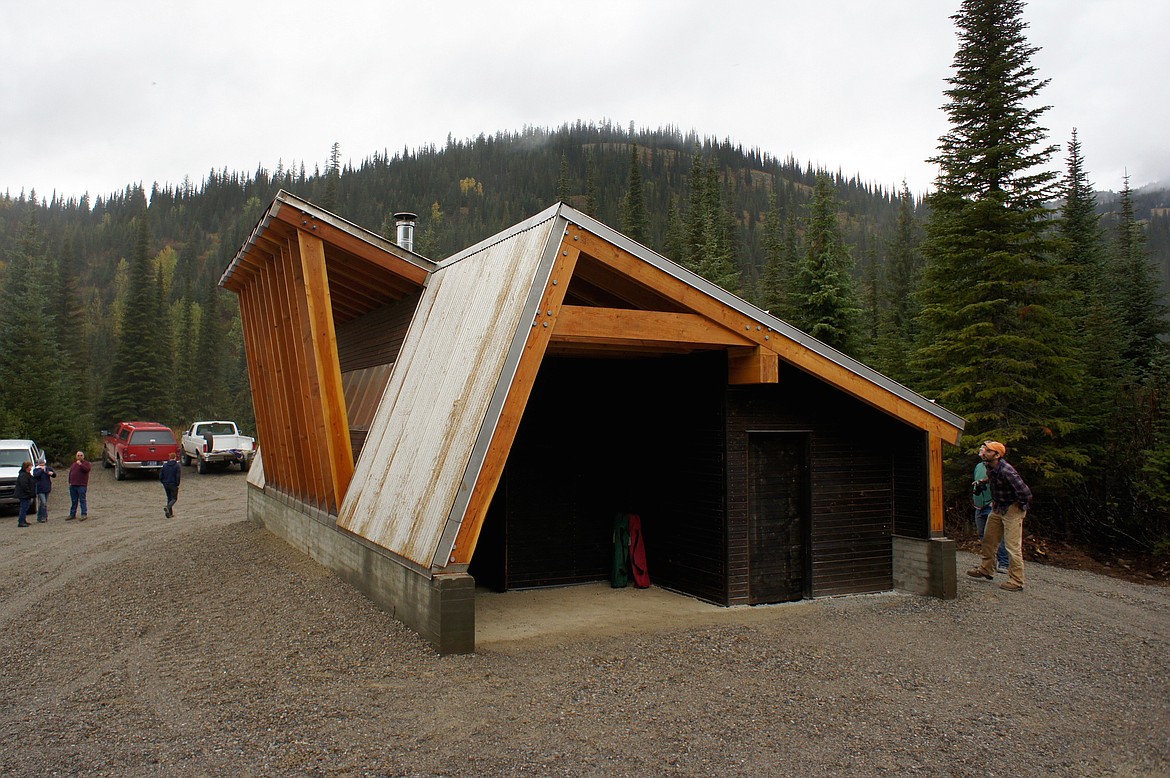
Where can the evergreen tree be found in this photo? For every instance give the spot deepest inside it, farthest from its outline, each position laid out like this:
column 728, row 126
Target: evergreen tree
column 590, row 185
column 778, row 268
column 994, row 347
column 34, row 391
column 824, row 302
column 1136, row 293
column 138, row 371
column 69, row 322
column 709, row 249
column 564, row 182
column 903, row 273
column 332, row 179
column 674, row 247
column 1103, row 408
column 188, row 380
column 431, row 237
column 211, row 356
column 634, row 219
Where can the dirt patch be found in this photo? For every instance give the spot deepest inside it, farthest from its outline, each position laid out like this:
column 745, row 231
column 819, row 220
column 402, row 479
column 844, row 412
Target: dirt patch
column 1139, row 568
column 202, row 645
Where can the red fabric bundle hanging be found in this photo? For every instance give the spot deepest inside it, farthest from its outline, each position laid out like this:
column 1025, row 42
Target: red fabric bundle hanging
column 638, row 570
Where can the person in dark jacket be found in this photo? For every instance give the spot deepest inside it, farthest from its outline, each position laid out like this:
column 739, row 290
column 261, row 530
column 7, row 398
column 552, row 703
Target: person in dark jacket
column 170, row 476
column 43, row 475
column 26, row 491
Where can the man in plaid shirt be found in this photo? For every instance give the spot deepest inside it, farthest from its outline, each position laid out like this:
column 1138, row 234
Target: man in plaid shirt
column 1010, row 498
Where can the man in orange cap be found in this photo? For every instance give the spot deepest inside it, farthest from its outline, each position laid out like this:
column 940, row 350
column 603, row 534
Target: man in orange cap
column 1010, row 498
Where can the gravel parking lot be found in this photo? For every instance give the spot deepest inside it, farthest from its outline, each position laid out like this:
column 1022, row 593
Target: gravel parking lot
column 201, row 645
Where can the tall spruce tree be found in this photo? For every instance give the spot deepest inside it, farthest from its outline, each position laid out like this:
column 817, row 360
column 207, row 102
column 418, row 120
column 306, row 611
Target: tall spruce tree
column 903, row 272
column 1136, row 293
column 994, row 347
column 1102, row 408
column 332, row 179
column 590, row 184
column 138, row 370
column 710, row 247
column 564, row 181
column 824, row 303
column 34, row 390
column 634, row 219
column 778, row 269
column 69, row 323
column 211, row 355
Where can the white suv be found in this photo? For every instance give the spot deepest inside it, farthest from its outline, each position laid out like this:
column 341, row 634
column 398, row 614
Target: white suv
column 12, row 454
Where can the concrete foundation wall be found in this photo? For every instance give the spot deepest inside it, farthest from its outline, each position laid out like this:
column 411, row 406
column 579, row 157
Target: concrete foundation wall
column 441, row 607
column 925, row 567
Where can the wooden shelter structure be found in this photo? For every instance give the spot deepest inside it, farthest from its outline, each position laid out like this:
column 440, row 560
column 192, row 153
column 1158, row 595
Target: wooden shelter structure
column 427, row 425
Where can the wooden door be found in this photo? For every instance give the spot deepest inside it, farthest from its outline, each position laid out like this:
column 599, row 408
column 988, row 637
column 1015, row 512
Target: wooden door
column 778, row 526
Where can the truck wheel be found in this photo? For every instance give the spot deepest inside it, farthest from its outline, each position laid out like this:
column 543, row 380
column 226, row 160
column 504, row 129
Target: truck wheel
column 202, row 466
column 106, row 463
column 119, row 471
column 185, row 459
column 244, row 465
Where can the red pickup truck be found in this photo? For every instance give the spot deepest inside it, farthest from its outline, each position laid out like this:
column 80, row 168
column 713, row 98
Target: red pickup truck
column 138, row 446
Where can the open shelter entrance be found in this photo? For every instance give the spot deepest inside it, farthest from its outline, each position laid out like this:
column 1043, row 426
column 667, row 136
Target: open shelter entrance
column 602, row 437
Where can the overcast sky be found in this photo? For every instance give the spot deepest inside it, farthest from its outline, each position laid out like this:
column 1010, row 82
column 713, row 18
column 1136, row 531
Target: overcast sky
column 99, row 95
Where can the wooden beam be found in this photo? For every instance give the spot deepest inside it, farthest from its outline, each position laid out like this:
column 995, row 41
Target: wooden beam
column 790, row 351
column 514, row 404
column 328, row 369
column 579, row 324
column 310, row 429
column 752, row 366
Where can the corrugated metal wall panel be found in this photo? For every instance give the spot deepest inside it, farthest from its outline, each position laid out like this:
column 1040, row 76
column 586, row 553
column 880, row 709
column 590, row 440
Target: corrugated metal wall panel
column 434, row 406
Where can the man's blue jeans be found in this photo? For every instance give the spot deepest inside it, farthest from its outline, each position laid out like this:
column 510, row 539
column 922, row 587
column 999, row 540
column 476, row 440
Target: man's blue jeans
column 77, row 495
column 1001, row 554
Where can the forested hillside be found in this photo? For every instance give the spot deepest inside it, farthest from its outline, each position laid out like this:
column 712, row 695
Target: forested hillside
column 111, row 309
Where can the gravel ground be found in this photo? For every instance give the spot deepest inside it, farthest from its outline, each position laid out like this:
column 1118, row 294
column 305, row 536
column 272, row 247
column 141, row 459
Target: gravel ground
column 201, row 645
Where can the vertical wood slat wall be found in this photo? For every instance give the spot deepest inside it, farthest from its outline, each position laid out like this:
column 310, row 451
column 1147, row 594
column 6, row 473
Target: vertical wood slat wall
column 287, row 318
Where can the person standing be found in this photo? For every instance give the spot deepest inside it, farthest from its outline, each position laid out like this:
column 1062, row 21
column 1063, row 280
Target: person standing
column 78, row 486
column 43, row 475
column 170, row 476
column 981, row 499
column 1010, row 499
column 26, row 492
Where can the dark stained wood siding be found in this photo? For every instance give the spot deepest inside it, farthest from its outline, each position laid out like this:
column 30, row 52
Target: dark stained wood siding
column 370, row 340
column 851, row 481
column 603, row 437
column 376, row 337
column 912, row 484
column 686, row 539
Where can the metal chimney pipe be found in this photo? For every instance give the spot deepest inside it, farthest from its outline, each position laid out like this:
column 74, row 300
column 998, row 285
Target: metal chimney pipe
column 404, row 222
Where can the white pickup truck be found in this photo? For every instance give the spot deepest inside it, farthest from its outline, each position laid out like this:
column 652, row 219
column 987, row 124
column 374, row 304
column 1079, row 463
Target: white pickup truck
column 217, row 444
